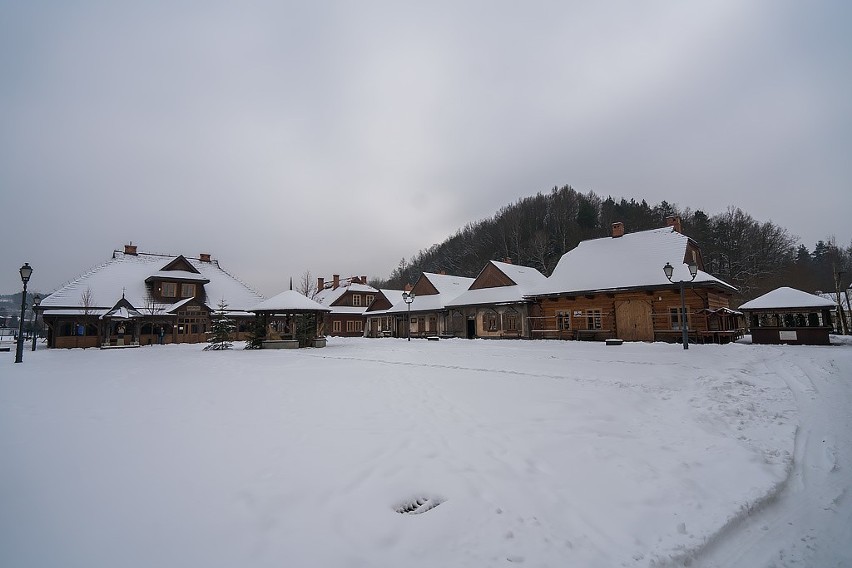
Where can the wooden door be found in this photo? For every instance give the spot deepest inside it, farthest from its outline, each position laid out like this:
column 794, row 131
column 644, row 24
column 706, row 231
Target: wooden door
column 633, row 321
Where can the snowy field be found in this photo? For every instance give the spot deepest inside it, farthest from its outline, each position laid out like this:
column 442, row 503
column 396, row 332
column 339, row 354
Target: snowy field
column 528, row 453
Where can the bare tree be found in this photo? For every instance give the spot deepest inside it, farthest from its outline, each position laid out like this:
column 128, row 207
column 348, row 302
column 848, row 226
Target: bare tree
column 87, row 302
column 307, row 285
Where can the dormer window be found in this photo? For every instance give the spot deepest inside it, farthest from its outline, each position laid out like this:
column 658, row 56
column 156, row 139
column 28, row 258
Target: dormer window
column 369, row 299
column 187, row 290
column 169, row 289
column 356, row 299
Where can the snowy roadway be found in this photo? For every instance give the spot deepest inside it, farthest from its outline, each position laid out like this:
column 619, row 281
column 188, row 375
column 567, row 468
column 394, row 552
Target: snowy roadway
column 809, row 523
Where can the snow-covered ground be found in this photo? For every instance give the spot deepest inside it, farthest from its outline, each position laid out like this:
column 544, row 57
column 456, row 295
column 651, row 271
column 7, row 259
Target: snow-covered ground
column 536, row 453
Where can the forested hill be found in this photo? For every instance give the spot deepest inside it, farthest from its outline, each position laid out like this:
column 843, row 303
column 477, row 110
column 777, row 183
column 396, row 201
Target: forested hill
column 536, row 231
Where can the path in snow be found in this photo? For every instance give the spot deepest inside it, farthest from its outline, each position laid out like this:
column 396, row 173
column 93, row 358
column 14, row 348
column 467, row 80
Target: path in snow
column 810, row 521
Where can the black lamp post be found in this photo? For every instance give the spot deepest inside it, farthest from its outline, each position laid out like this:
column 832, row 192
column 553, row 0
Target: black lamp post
column 26, row 271
column 36, row 302
column 693, row 270
column 408, row 297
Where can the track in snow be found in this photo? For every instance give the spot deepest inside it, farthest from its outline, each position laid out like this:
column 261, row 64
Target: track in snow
column 810, row 521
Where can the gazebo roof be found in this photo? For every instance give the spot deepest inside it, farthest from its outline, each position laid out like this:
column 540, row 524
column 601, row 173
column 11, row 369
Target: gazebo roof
column 289, row 301
column 786, row 298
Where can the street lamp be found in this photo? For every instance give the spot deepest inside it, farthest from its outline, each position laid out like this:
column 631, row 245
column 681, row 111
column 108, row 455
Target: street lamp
column 26, row 271
column 408, row 297
column 684, row 325
column 36, row 302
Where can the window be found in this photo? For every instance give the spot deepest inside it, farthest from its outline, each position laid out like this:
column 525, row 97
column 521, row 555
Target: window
column 369, row 299
column 187, row 290
column 563, row 320
column 593, row 319
column 511, row 322
column 169, row 289
column 335, row 326
column 356, row 299
column 675, row 317
column 489, row 321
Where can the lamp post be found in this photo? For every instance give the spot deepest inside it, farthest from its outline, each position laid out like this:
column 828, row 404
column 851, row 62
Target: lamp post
column 684, row 325
column 26, row 271
column 36, row 302
column 408, row 297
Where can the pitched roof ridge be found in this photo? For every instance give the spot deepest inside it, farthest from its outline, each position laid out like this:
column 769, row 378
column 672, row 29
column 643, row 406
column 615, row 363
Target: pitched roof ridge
column 82, row 275
column 236, row 279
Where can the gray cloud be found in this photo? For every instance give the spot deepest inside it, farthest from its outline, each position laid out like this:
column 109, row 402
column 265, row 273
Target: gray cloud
column 339, row 137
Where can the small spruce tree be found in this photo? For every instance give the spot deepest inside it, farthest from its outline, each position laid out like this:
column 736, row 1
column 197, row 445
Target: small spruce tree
column 257, row 333
column 221, row 329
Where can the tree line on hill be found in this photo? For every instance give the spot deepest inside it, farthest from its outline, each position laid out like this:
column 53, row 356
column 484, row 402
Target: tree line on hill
column 536, row 231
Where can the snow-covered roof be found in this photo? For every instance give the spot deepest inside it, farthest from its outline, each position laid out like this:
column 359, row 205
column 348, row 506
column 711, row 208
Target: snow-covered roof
column 526, row 280
column 787, row 298
column 393, row 296
column 329, row 294
column 524, row 276
column 449, row 288
column 126, row 273
column 634, row 260
column 122, row 312
column 289, row 301
column 178, row 275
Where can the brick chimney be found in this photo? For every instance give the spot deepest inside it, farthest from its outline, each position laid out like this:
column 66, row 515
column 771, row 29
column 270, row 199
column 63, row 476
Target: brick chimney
column 364, row 280
column 130, row 249
column 508, row 260
column 204, row 257
column 320, row 284
column 408, row 287
column 674, row 221
column 617, row 229
column 335, row 282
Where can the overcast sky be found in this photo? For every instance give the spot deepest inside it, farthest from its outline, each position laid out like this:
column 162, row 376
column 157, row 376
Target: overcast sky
column 339, row 137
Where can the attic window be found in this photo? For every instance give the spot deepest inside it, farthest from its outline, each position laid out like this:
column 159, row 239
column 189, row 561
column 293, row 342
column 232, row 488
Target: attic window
column 169, row 289
column 187, row 290
column 356, row 299
column 369, row 299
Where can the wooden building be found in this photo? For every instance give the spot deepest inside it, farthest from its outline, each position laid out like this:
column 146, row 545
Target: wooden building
column 380, row 323
column 430, row 313
column 615, row 287
column 495, row 306
column 347, row 300
column 787, row 315
column 138, row 298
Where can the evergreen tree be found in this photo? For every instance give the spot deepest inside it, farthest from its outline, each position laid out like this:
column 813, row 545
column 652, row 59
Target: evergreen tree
column 221, row 329
column 257, row 333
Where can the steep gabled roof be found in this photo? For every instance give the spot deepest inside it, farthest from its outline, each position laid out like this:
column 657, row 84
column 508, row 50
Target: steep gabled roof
column 787, row 298
column 633, row 261
column 126, row 274
column 524, row 279
column 448, row 288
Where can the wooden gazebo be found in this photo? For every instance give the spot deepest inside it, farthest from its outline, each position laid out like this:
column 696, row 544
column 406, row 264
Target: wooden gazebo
column 787, row 315
column 292, row 321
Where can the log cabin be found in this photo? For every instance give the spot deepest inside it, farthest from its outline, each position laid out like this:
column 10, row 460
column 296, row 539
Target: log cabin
column 495, row 306
column 137, row 298
column 615, row 287
column 348, row 300
column 379, row 322
column 429, row 312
